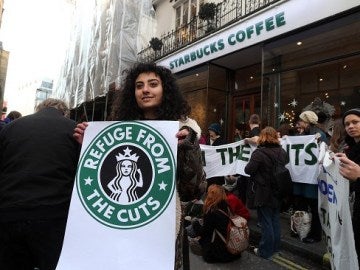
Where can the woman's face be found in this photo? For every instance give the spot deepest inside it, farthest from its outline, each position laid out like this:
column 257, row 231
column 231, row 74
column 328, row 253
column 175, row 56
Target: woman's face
column 352, row 126
column 126, row 167
column 304, row 126
column 148, row 93
column 213, row 136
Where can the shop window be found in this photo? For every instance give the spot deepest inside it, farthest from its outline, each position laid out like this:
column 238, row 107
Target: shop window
column 217, row 78
column 193, row 85
column 323, row 66
column 186, row 22
column 186, row 10
column 248, row 78
column 205, row 90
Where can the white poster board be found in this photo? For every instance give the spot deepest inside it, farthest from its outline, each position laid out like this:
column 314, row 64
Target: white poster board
column 335, row 217
column 122, row 212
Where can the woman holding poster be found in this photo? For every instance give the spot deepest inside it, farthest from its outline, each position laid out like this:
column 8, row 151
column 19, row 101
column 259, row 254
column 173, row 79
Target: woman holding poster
column 150, row 92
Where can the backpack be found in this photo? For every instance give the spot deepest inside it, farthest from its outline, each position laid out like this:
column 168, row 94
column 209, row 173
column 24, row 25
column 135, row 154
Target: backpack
column 281, row 181
column 237, row 238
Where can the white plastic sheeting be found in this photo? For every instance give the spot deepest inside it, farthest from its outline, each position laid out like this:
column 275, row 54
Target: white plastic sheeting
column 106, row 38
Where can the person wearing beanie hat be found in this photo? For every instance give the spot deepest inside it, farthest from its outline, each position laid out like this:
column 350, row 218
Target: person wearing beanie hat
column 216, row 128
column 309, row 117
column 306, row 195
column 215, row 135
column 355, row 111
column 215, row 139
column 351, row 121
column 308, row 120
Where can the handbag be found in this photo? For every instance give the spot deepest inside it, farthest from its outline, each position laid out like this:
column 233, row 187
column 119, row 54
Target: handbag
column 301, row 223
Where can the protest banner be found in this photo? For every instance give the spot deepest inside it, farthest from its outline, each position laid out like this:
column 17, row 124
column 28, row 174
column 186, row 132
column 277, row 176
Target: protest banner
column 123, row 202
column 335, row 217
column 229, row 159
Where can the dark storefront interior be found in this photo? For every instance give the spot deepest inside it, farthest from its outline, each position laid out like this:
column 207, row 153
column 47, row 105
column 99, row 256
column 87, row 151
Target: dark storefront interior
column 279, row 78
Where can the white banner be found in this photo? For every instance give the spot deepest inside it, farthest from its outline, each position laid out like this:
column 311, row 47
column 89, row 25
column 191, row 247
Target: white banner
column 123, row 198
column 335, row 218
column 228, row 159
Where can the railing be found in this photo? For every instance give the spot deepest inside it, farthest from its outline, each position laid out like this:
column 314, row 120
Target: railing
column 227, row 13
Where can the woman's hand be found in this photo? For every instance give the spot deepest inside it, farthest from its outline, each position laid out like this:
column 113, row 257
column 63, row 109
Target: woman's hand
column 348, row 168
column 182, row 134
column 79, row 132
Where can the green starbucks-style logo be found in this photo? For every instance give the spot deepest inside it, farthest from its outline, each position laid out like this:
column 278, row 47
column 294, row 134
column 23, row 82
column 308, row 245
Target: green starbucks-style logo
column 125, row 177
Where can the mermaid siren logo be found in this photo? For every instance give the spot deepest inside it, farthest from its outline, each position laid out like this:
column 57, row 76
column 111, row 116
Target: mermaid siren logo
column 128, row 178
column 126, row 175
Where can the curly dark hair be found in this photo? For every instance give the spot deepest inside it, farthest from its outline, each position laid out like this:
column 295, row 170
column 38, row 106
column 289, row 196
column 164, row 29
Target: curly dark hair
column 173, row 106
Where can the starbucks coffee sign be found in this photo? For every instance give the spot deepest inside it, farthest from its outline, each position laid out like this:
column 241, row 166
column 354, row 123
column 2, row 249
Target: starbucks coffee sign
column 277, row 19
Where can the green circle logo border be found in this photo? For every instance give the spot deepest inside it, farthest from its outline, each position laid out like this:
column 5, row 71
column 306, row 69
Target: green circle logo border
column 172, row 172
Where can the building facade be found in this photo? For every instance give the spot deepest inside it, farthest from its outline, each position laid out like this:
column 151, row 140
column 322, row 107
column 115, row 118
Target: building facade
column 4, row 59
column 44, row 91
column 274, row 58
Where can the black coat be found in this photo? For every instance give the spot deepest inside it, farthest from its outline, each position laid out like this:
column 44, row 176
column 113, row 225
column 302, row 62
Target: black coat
column 38, row 160
column 216, row 251
column 260, row 168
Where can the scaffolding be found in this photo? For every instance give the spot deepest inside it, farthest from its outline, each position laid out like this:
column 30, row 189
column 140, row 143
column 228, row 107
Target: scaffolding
column 106, row 38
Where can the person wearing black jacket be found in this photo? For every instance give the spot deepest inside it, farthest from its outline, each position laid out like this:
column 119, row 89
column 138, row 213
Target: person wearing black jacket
column 243, row 183
column 351, row 121
column 260, row 168
column 215, row 139
column 214, row 250
column 38, row 159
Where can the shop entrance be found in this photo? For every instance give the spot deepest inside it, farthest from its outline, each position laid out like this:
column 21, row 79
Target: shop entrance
column 242, row 107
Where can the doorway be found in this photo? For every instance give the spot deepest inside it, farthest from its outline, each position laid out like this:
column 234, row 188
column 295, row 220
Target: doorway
column 242, row 107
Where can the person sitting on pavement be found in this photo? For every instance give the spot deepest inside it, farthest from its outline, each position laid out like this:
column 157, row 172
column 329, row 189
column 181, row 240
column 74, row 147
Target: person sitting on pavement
column 214, row 249
column 236, row 205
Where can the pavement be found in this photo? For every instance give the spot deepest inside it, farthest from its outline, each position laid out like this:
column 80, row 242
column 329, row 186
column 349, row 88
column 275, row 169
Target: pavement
column 314, row 252
column 294, row 253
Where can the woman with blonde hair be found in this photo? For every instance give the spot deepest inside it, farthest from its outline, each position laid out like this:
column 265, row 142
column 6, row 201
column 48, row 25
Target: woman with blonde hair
column 266, row 202
column 215, row 206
